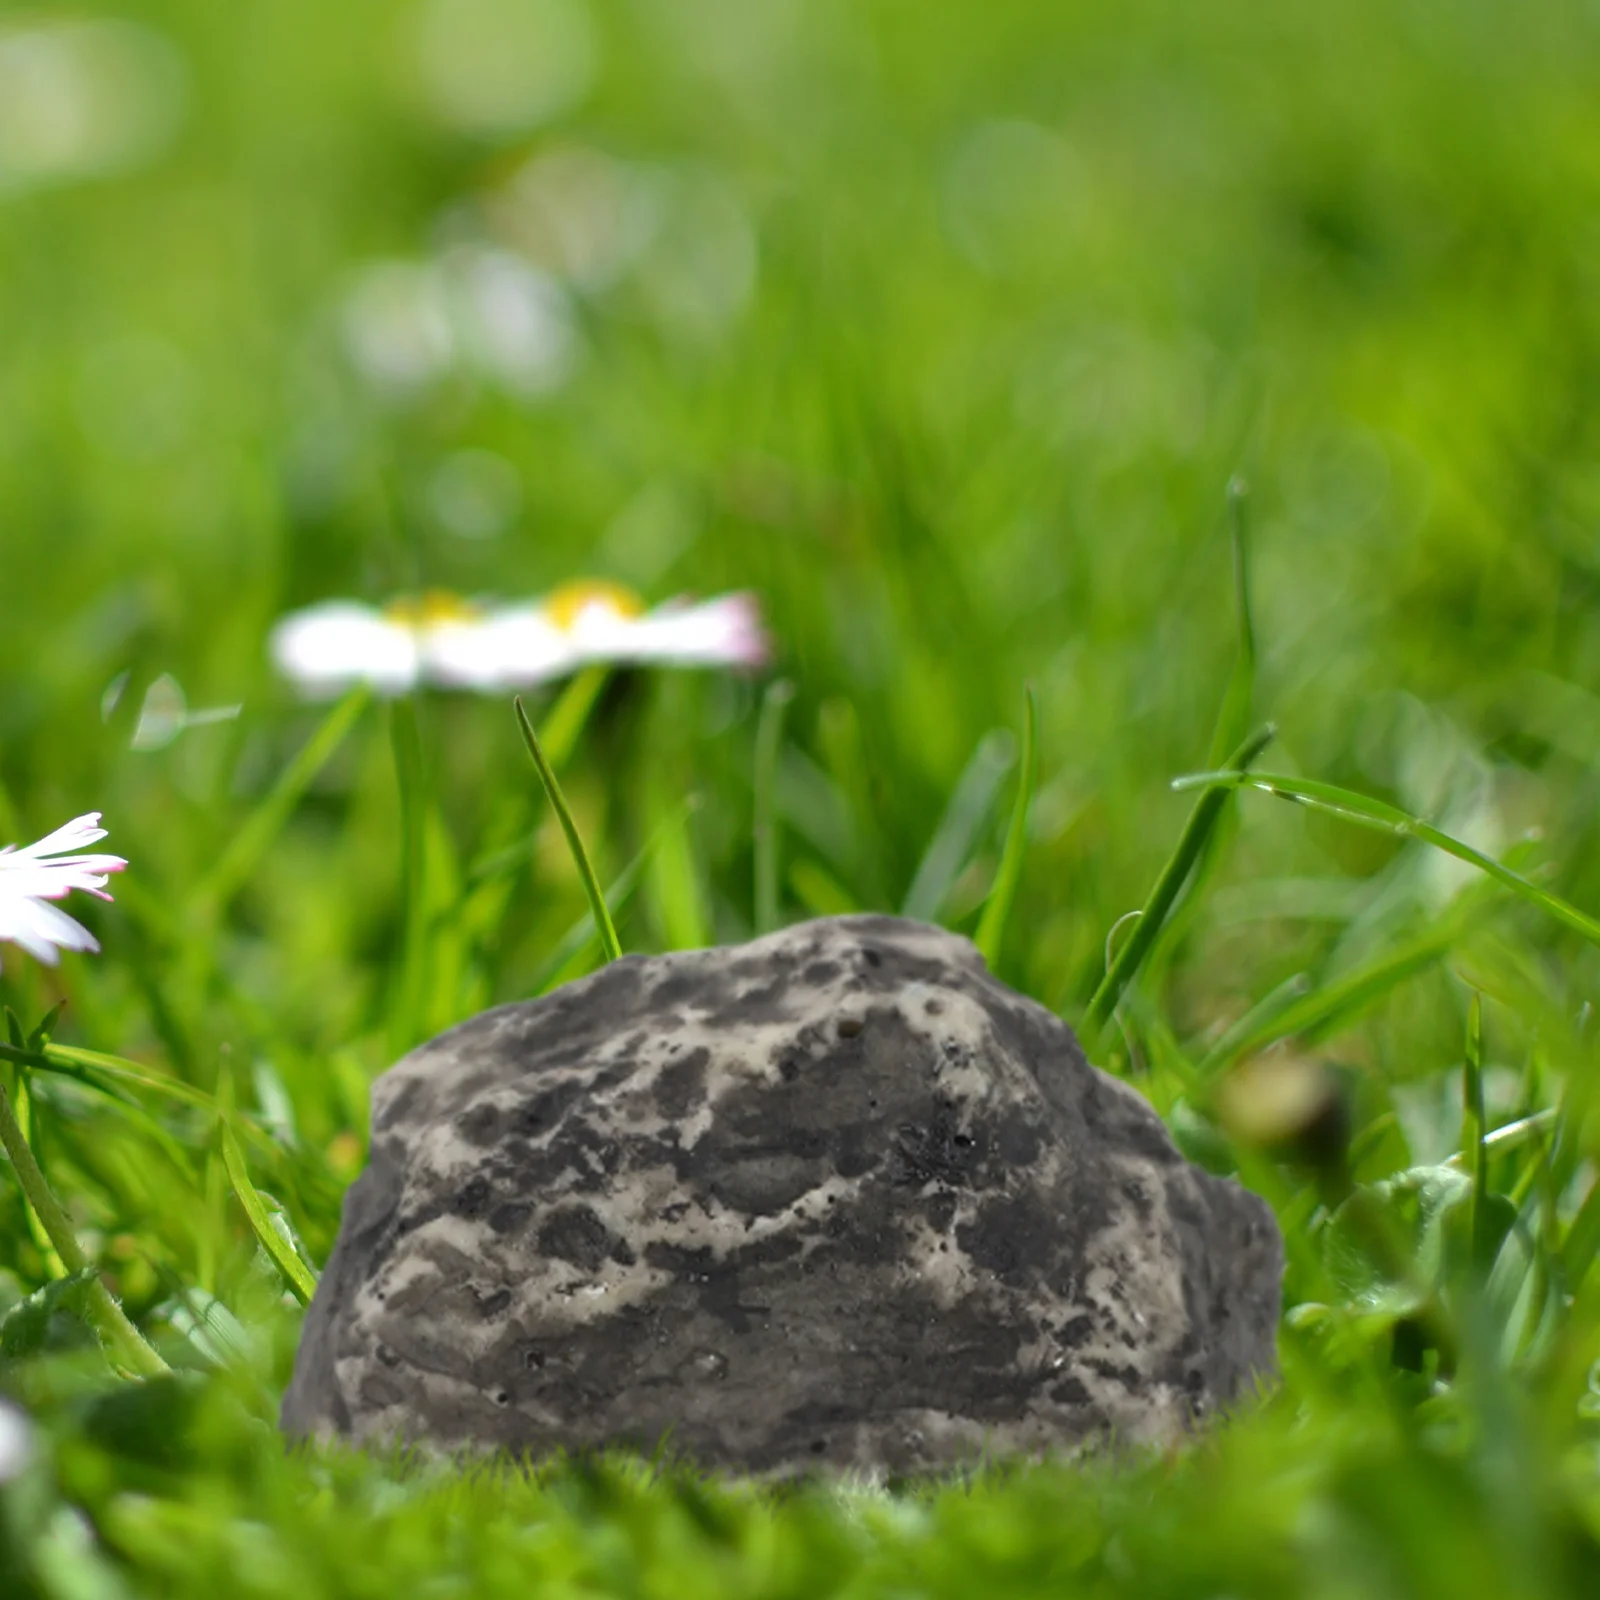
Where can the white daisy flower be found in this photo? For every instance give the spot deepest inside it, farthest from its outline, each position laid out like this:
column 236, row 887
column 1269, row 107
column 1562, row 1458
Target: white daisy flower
column 444, row 640
column 38, row 873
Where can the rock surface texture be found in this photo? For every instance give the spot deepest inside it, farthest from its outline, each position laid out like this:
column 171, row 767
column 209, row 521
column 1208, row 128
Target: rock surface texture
column 833, row 1198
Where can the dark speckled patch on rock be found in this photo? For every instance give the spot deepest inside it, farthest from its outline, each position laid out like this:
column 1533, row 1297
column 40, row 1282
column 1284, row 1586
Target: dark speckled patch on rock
column 833, row 1197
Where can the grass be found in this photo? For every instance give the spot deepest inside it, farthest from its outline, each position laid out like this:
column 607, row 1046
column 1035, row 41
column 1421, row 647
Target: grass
column 956, row 335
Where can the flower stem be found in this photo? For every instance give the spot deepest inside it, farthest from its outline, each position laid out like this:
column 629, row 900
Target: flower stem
column 122, row 1340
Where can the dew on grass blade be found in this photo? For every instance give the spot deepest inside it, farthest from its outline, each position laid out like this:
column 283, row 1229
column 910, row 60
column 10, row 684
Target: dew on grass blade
column 277, row 1240
column 164, row 711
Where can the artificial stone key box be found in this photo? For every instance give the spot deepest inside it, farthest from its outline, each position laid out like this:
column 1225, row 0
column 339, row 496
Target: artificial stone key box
column 835, row 1197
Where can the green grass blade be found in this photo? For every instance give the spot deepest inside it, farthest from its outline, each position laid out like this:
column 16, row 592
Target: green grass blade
column 86, row 1065
column 25, row 1326
column 406, row 1002
column 1233, row 724
column 1233, row 719
column 1583, row 1239
column 674, row 880
column 580, row 856
column 295, row 1271
column 123, row 1342
column 263, row 825
column 1338, row 1002
column 1512, row 1136
column 567, row 718
column 1156, row 909
column 992, row 926
column 769, row 743
column 819, row 891
column 1475, row 1129
column 617, row 896
column 1366, row 812
column 1259, row 1018
column 951, row 845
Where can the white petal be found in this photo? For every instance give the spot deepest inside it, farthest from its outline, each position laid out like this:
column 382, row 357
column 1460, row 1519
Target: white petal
column 328, row 647
column 72, row 835
column 507, row 649
column 39, row 927
column 722, row 632
column 54, row 880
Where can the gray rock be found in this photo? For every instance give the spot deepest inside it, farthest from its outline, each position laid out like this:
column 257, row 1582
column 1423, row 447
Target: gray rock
column 836, row 1197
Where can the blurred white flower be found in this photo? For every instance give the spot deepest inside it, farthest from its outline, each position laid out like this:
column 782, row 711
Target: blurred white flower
column 409, row 325
column 16, row 1442
column 511, row 321
column 495, row 68
column 38, row 873
column 397, row 326
column 82, row 97
column 578, row 213
column 447, row 641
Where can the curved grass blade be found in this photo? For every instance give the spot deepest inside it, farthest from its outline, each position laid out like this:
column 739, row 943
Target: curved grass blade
column 123, row 1342
column 1156, row 909
column 84, row 1065
column 769, row 742
column 558, row 737
column 617, row 896
column 992, row 926
column 964, row 815
column 580, row 856
column 298, row 1275
column 263, row 825
column 1366, row 812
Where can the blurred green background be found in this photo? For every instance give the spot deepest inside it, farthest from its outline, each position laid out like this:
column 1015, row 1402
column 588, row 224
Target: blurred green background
column 941, row 327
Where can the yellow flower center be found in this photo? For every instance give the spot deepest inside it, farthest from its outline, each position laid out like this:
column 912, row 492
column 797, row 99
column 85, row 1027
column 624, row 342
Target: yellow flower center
column 429, row 608
column 565, row 605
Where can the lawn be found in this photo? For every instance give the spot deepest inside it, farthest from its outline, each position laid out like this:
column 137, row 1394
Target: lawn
column 1182, row 371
